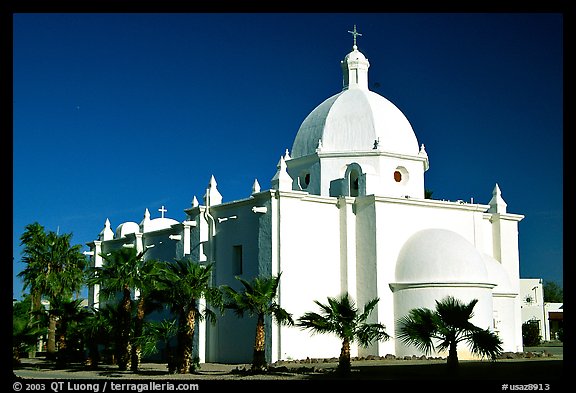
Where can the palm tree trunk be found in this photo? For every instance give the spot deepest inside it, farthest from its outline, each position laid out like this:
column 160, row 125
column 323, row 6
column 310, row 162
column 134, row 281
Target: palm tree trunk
column 344, row 365
column 35, row 304
column 186, row 340
column 138, row 327
column 170, row 357
column 93, row 354
column 452, row 360
column 15, row 356
column 259, row 358
column 123, row 346
column 51, row 344
column 62, row 356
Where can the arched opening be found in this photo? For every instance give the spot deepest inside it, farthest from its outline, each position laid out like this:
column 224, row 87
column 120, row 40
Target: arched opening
column 304, row 179
column 353, row 186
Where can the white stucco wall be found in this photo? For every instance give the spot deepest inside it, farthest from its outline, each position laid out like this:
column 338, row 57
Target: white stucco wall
column 505, row 322
column 407, row 299
column 309, row 260
column 532, row 303
column 327, row 245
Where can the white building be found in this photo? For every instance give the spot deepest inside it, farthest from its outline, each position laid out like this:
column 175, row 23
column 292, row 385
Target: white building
column 346, row 211
column 548, row 316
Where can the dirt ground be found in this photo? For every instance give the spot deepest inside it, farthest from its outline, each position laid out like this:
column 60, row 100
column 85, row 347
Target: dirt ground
column 512, row 371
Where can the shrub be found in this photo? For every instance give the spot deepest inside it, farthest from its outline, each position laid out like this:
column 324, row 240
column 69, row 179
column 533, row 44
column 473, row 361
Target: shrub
column 560, row 334
column 531, row 333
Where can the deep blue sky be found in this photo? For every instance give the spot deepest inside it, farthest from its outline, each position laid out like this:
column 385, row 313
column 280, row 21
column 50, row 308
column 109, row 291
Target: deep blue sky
column 115, row 113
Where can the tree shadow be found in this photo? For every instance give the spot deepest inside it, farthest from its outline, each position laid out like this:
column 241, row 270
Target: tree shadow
column 534, row 370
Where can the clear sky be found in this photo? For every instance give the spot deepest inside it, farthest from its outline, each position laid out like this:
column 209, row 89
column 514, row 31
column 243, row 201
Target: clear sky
column 114, row 113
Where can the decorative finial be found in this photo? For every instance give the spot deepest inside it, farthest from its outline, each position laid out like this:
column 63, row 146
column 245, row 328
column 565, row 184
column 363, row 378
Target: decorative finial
column 255, row 187
column 497, row 203
column 354, row 34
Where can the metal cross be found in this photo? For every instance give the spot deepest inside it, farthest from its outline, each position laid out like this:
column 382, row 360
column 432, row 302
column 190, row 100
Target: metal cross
column 355, row 34
column 162, row 211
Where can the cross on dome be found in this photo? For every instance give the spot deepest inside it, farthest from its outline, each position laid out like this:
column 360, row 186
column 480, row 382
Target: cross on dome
column 354, row 34
column 162, row 210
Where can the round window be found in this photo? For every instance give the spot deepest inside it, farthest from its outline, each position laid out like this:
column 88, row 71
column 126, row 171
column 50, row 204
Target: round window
column 397, row 176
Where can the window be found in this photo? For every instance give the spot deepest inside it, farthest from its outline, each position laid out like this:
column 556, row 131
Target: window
column 401, row 175
column 237, row 260
column 304, row 180
column 354, row 183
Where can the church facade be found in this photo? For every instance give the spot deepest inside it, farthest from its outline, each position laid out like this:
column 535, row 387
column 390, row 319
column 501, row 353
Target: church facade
column 346, row 211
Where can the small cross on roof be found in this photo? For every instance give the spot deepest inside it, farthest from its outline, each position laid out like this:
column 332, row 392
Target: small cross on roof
column 354, row 34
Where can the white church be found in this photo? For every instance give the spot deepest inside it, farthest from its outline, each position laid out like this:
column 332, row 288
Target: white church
column 346, row 211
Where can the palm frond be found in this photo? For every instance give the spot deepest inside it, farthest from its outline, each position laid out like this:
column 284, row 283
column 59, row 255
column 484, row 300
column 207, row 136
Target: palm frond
column 316, row 323
column 455, row 313
column 366, row 333
column 281, row 316
column 418, row 328
column 485, row 343
column 368, row 307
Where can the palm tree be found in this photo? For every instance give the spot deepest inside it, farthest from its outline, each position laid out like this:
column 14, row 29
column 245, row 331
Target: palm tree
column 25, row 331
column 184, row 284
column 258, row 298
column 67, row 311
column 148, row 274
column 55, row 269
column 447, row 325
column 164, row 331
column 98, row 328
column 340, row 316
column 32, row 240
column 121, row 272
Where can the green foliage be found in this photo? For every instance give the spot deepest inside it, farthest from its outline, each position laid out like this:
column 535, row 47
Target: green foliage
column 25, row 330
column 258, row 298
column 55, row 269
column 121, row 268
column 531, row 333
column 553, row 293
column 182, row 284
column 100, row 329
column 561, row 334
column 156, row 332
column 341, row 317
column 447, row 325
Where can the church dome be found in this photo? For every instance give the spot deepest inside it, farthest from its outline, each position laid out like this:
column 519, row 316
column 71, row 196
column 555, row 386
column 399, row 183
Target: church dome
column 127, row 228
column 355, row 119
column 497, row 275
column 150, row 225
column 159, row 223
column 440, row 256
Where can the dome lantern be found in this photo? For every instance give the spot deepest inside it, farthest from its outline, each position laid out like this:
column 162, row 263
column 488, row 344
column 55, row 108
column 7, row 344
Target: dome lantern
column 355, row 67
